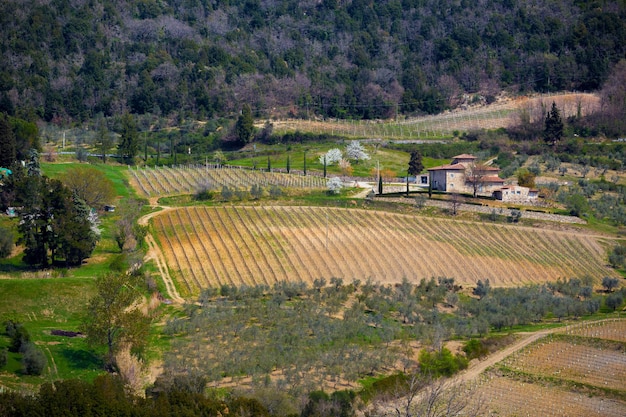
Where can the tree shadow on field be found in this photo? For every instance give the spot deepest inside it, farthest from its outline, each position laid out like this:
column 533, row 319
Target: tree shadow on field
column 82, row 359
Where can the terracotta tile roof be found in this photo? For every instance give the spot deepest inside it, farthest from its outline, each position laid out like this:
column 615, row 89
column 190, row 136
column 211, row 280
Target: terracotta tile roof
column 493, row 178
column 449, row 167
column 464, row 156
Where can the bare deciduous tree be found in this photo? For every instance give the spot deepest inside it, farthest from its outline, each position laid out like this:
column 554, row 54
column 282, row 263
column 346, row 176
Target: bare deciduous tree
column 424, row 396
column 455, row 202
column 476, row 175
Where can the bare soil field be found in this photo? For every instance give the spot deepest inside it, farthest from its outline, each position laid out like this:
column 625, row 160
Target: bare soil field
column 504, row 396
column 211, row 246
column 579, row 373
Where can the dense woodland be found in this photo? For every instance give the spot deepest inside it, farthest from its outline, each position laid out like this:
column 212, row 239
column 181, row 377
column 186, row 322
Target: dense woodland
column 68, row 61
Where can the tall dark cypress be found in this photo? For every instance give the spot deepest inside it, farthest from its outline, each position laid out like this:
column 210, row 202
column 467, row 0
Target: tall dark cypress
column 7, row 143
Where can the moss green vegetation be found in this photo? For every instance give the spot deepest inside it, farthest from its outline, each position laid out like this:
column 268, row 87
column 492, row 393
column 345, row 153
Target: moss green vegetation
column 396, row 161
column 44, row 305
column 116, row 173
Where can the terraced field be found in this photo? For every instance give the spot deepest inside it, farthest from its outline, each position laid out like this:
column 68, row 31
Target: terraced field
column 211, row 246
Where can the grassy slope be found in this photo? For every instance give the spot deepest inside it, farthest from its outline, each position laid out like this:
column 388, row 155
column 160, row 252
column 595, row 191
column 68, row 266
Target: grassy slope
column 43, row 305
column 396, row 161
column 56, row 299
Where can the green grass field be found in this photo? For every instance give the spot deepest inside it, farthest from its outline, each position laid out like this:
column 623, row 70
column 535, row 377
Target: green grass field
column 116, row 173
column 43, row 305
column 396, row 161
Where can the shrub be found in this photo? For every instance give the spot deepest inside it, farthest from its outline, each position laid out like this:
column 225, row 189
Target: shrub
column 475, row 349
column 614, row 300
column 256, row 191
column 617, row 256
column 204, row 194
column 227, row 193
column 18, row 334
column 515, row 216
column 33, row 360
column 4, row 356
column 275, row 191
column 442, row 363
column 6, row 242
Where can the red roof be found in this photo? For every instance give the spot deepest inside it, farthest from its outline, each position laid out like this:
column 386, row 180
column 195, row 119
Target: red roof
column 492, row 179
column 449, row 167
column 464, row 156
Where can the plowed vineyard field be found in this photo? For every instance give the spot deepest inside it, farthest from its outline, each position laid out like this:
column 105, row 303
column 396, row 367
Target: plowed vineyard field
column 211, row 246
column 565, row 375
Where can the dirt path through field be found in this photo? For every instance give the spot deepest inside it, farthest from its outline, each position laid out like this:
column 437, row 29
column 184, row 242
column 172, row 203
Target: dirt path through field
column 479, row 367
column 154, row 252
column 476, row 368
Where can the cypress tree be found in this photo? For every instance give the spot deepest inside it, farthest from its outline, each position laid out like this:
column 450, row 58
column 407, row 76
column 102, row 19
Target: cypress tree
column 407, row 184
column 7, row 143
column 269, row 164
column 380, row 184
column 288, row 164
column 324, row 166
column 553, row 131
column 415, row 163
column 305, row 163
column 128, row 145
column 244, row 128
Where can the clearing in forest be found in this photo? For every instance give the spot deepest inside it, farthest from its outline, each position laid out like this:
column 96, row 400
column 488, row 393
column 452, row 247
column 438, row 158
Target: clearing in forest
column 213, row 246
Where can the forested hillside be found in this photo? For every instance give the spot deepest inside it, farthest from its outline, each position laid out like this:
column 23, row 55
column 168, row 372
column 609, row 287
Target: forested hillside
column 68, row 60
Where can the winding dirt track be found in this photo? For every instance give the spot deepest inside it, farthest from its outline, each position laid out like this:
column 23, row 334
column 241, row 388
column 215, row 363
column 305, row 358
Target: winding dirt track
column 154, row 252
column 477, row 368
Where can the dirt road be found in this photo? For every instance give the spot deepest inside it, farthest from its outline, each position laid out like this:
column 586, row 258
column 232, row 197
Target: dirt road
column 478, row 367
column 154, row 252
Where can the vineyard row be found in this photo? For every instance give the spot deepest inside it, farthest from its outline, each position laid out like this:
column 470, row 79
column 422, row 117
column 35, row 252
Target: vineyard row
column 161, row 181
column 210, row 247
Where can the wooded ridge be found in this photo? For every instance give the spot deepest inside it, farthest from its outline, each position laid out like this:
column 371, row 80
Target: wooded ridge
column 68, row 61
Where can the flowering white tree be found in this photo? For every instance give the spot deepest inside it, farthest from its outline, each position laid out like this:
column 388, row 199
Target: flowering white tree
column 334, row 185
column 346, row 168
column 356, row 151
column 332, row 156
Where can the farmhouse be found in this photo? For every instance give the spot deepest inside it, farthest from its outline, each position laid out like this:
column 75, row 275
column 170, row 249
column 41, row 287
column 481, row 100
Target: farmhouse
column 516, row 193
column 463, row 174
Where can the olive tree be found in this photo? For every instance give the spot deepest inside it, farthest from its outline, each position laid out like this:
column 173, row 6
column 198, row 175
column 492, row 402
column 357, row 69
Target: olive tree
column 113, row 318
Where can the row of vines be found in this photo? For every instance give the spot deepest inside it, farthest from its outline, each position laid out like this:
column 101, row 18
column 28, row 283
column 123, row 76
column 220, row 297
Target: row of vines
column 214, row 246
column 187, row 179
column 446, row 124
column 580, row 372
